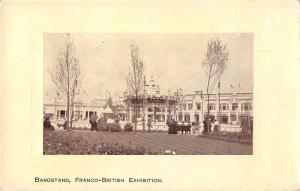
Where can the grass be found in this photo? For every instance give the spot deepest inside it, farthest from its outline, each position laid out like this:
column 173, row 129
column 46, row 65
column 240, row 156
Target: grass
column 130, row 143
column 230, row 136
column 72, row 142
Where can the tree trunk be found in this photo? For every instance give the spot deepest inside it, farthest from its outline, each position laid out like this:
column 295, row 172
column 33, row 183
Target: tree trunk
column 72, row 112
column 208, row 114
column 71, row 118
column 135, row 111
column 144, row 113
column 68, row 111
column 68, row 89
column 135, row 119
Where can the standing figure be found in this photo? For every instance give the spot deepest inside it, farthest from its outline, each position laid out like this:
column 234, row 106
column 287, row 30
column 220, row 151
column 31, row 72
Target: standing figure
column 149, row 125
column 245, row 127
column 93, row 121
column 205, row 125
column 251, row 126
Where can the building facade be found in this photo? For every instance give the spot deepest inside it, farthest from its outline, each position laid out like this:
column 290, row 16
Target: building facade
column 57, row 109
column 233, row 107
column 155, row 108
column 228, row 108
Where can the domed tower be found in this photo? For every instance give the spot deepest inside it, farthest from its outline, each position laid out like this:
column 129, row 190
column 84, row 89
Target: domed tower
column 152, row 88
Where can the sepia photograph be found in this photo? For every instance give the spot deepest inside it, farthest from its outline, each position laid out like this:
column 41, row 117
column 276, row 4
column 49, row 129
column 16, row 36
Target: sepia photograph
column 158, row 95
column 148, row 94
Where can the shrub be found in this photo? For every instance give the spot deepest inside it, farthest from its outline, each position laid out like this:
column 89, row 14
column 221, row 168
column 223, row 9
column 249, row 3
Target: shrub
column 114, row 127
column 217, row 128
column 173, row 126
column 48, row 125
column 102, row 125
column 128, row 127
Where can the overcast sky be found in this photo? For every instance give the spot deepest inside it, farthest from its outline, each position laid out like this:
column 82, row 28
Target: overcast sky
column 173, row 59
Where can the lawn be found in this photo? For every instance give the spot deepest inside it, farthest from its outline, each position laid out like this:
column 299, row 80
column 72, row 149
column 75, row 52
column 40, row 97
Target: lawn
column 95, row 143
column 120, row 143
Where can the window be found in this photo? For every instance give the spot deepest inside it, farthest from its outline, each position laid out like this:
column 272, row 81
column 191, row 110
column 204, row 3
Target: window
column 179, row 117
column 196, row 117
column 157, row 118
column 160, row 118
column 198, row 105
column 122, row 117
column 224, row 119
column 77, row 114
column 62, row 113
column 184, row 106
column 246, row 106
column 150, row 109
column 233, row 117
column 190, row 106
column 211, row 106
column 235, row 106
column 224, row 106
column 163, row 118
column 150, row 117
column 187, row 118
column 157, row 109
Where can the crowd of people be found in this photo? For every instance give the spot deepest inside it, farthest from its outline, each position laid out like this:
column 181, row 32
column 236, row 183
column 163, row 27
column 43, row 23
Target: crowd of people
column 246, row 126
column 210, row 124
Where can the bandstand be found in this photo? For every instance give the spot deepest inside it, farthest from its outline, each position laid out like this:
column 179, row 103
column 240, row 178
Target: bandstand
column 156, row 109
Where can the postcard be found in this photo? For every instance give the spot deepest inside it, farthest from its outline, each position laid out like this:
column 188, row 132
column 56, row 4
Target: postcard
column 108, row 95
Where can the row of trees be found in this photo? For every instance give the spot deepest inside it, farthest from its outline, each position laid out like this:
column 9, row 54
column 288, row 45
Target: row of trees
column 214, row 64
column 66, row 73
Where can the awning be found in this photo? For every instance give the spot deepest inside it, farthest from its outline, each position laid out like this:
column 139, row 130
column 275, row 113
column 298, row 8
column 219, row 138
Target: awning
column 107, row 110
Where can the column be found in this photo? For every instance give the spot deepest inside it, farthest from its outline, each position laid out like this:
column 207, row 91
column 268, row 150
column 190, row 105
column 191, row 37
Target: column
column 154, row 114
column 146, row 116
column 130, row 114
column 192, row 116
column 166, row 108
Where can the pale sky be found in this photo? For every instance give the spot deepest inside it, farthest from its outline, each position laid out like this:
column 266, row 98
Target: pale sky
column 174, row 60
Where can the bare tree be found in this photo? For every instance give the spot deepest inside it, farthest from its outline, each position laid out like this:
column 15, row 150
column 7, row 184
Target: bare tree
column 135, row 78
column 214, row 64
column 65, row 74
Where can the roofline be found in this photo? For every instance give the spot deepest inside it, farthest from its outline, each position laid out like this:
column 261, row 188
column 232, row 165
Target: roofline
column 243, row 93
